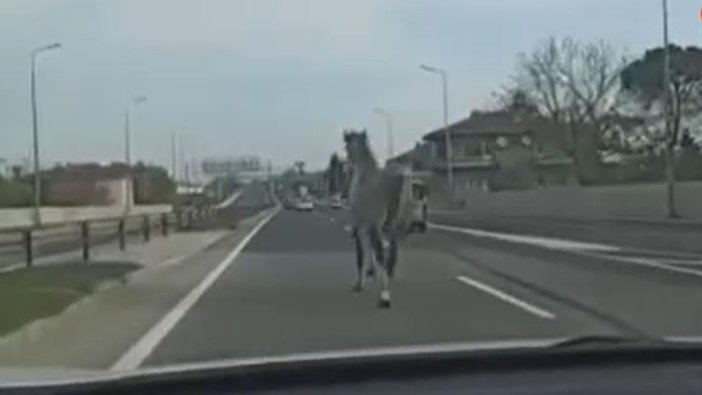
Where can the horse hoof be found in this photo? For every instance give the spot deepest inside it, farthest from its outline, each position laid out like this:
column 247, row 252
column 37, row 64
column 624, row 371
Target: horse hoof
column 383, row 303
column 356, row 288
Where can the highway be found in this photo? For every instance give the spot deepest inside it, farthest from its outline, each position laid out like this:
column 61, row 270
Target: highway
column 288, row 289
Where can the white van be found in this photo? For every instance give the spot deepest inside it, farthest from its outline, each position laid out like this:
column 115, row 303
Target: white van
column 419, row 205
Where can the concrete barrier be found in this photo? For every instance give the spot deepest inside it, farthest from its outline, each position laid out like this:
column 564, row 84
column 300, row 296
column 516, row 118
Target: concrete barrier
column 50, row 216
column 646, row 201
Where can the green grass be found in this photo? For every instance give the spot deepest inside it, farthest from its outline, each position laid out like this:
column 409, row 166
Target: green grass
column 30, row 294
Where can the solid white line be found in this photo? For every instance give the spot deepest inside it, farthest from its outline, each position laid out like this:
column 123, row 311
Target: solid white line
column 174, row 260
column 582, row 248
column 557, row 244
column 230, row 200
column 145, row 346
column 643, row 262
column 537, row 311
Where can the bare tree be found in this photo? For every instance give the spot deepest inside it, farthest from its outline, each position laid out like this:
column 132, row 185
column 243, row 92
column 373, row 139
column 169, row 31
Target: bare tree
column 575, row 85
column 667, row 83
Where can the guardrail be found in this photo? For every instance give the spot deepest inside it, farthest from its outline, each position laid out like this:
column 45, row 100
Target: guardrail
column 59, row 222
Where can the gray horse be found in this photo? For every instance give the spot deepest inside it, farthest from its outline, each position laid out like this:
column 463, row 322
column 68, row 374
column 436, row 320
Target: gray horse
column 380, row 202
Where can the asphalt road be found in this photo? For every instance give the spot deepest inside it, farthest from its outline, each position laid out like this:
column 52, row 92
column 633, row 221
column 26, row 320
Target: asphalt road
column 288, row 291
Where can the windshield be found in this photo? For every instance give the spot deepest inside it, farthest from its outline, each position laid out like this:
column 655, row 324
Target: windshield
column 195, row 181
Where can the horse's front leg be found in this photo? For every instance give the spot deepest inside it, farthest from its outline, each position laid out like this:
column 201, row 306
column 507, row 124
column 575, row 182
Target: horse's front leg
column 360, row 275
column 377, row 243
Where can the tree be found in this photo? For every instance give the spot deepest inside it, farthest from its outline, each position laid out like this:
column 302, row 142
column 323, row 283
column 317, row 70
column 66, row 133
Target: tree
column 300, row 167
column 673, row 102
column 644, row 79
column 517, row 100
column 334, row 174
column 573, row 84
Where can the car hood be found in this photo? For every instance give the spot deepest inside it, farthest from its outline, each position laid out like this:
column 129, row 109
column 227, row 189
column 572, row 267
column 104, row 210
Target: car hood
column 30, row 376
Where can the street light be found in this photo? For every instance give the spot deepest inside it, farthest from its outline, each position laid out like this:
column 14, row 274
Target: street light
column 444, row 85
column 669, row 149
column 127, row 146
column 35, row 127
column 127, row 133
column 389, row 121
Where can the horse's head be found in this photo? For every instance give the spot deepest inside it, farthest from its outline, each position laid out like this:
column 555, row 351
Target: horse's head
column 356, row 143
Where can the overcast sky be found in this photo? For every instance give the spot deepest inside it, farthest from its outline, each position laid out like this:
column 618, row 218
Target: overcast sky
column 278, row 78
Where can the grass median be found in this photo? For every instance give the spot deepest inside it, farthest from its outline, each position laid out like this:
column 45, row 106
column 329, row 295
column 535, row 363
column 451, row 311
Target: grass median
column 30, row 294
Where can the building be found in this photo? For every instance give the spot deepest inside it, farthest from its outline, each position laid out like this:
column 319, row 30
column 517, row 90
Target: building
column 112, row 185
column 495, row 150
column 86, row 184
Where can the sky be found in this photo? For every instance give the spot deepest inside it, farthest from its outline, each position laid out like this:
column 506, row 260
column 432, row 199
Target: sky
column 280, row 79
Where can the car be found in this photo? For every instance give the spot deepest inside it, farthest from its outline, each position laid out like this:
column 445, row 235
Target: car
column 287, row 203
column 305, row 205
column 419, row 206
column 335, row 202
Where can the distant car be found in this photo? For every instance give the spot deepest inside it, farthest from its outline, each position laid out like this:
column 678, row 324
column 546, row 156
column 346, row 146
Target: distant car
column 335, row 202
column 288, row 204
column 305, row 205
column 419, row 206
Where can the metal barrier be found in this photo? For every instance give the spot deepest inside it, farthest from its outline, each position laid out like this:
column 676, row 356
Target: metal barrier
column 140, row 224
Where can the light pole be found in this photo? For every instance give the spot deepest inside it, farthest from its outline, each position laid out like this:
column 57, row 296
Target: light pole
column 669, row 148
column 128, row 147
column 444, row 86
column 389, row 121
column 127, row 132
column 35, row 127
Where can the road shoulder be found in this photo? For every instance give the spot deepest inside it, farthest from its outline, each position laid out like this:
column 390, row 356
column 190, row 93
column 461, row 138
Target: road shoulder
column 93, row 333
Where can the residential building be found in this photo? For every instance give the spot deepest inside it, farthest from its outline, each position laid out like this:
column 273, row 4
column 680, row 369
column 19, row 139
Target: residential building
column 495, row 150
column 86, row 184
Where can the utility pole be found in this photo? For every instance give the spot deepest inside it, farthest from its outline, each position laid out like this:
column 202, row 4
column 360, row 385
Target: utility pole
column 35, row 129
column 447, row 135
column 667, row 110
column 174, row 166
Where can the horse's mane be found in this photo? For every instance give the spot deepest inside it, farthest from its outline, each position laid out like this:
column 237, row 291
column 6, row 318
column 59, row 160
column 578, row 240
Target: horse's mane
column 366, row 153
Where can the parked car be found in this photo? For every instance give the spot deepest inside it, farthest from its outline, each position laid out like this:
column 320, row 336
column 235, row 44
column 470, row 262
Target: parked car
column 419, row 206
column 335, row 202
column 305, row 205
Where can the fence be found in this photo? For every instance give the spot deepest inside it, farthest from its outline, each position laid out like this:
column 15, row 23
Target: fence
column 17, row 225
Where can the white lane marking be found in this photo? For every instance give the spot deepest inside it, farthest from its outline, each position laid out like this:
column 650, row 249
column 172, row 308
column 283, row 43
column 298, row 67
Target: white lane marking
column 537, row 311
column 582, row 248
column 230, row 200
column 174, row 260
column 145, row 346
column 558, row 244
column 642, row 262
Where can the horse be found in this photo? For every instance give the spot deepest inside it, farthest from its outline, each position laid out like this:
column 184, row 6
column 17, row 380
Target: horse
column 379, row 204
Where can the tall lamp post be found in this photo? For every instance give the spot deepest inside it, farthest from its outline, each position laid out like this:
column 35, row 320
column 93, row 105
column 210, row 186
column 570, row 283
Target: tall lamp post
column 127, row 125
column 35, row 127
column 128, row 146
column 389, row 121
column 444, row 86
column 669, row 148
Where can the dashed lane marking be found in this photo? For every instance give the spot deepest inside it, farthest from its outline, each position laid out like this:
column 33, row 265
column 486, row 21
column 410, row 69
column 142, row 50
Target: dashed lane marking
column 504, row 296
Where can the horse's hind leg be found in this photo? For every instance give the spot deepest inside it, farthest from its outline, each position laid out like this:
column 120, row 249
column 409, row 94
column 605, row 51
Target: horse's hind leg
column 360, row 279
column 392, row 256
column 377, row 243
